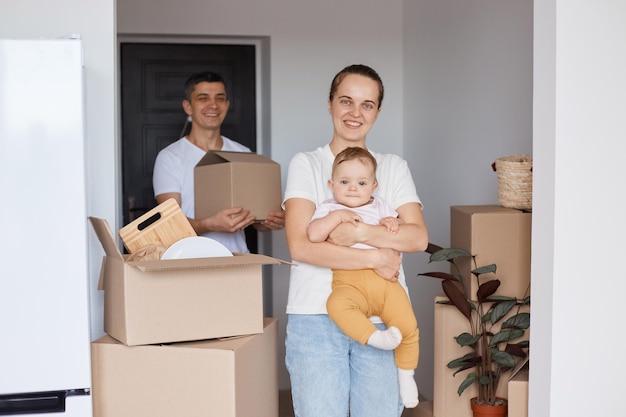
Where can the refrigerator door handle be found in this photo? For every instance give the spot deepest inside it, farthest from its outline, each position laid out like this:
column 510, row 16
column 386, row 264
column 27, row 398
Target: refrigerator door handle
column 37, row 402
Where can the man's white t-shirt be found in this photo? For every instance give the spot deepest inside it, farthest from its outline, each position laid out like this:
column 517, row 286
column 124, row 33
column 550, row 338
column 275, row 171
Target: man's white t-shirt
column 308, row 175
column 173, row 173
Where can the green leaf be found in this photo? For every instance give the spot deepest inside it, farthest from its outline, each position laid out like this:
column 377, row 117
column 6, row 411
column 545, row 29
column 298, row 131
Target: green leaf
column 501, row 309
column 462, row 361
column 483, row 380
column 448, row 254
column 501, row 298
column 469, row 380
column 503, row 358
column 466, row 339
column 506, row 335
column 485, row 270
column 518, row 321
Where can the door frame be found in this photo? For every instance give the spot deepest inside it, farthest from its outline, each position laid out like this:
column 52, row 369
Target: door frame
column 263, row 99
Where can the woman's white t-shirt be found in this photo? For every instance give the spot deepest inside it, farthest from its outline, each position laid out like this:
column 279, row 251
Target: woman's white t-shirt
column 173, row 173
column 308, row 175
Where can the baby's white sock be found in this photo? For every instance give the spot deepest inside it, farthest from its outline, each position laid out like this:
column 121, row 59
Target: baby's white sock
column 408, row 388
column 385, row 339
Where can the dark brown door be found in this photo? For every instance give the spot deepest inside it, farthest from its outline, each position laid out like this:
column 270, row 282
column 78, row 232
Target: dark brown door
column 152, row 83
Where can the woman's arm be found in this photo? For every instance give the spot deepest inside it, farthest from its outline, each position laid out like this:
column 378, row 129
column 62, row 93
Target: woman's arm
column 298, row 213
column 412, row 236
column 319, row 229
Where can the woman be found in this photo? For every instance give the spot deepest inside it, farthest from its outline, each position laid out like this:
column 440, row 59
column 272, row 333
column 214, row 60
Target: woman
column 330, row 373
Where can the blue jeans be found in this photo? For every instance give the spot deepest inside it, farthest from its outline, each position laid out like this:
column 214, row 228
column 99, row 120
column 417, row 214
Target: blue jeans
column 329, row 372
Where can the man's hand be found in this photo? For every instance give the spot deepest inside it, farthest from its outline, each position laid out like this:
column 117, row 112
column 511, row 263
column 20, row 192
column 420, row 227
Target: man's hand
column 274, row 221
column 228, row 220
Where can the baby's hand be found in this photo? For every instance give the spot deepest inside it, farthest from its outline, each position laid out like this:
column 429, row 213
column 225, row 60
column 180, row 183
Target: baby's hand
column 348, row 216
column 391, row 223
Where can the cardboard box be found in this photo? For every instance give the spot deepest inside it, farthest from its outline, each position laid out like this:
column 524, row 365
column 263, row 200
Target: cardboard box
column 236, row 377
column 237, row 179
column 497, row 235
column 518, row 394
column 449, row 323
column 177, row 300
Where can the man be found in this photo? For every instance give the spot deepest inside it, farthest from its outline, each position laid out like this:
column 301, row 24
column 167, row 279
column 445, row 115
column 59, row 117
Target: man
column 207, row 104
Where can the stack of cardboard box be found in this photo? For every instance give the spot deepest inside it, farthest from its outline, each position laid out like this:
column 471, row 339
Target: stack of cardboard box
column 185, row 337
column 495, row 235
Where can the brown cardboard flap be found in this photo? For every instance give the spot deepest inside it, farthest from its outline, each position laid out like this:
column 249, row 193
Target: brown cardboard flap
column 206, row 263
column 217, row 157
column 105, row 236
column 101, row 277
column 523, row 364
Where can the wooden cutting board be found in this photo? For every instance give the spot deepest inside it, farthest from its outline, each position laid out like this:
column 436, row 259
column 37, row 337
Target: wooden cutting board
column 164, row 225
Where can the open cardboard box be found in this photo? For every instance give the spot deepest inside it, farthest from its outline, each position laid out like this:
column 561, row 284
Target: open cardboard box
column 236, row 377
column 237, row 179
column 148, row 302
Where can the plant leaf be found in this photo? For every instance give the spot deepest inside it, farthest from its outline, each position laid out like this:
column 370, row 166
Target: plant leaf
column 448, row 254
column 440, row 275
column 501, row 298
column 501, row 309
column 483, row 380
column 466, row 339
column 467, row 366
column 469, row 380
column 432, row 248
column 503, row 358
column 505, row 336
column 462, row 361
column 486, row 289
column 518, row 321
column 485, row 270
column 457, row 298
column 516, row 349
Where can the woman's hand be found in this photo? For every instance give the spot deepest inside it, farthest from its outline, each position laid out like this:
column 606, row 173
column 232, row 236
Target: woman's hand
column 347, row 234
column 388, row 264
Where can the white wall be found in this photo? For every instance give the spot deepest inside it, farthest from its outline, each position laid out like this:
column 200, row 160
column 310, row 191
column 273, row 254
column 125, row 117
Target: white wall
column 578, row 225
column 468, row 100
column 95, row 22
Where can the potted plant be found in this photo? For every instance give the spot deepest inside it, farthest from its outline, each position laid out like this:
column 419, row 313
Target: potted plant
column 496, row 324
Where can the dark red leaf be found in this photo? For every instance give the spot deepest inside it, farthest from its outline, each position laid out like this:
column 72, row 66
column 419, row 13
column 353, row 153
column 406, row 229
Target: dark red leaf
column 457, row 297
column 440, row 275
column 486, row 289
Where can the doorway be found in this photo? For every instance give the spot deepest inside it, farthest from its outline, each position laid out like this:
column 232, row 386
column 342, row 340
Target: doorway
column 152, row 83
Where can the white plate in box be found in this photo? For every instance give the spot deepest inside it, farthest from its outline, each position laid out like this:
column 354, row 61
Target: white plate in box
column 196, row 247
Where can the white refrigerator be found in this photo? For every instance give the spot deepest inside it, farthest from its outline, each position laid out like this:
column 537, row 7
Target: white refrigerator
column 44, row 299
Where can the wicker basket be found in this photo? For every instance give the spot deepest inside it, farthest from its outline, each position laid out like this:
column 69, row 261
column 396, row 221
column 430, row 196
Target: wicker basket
column 515, row 181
